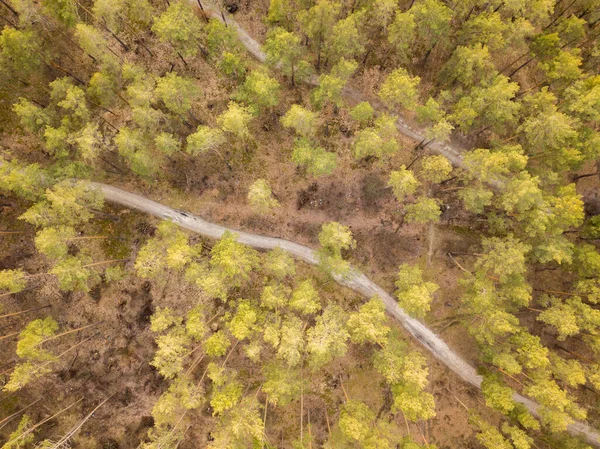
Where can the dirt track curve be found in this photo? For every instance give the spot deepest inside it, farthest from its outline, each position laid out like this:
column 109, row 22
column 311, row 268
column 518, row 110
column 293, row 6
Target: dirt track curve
column 357, row 281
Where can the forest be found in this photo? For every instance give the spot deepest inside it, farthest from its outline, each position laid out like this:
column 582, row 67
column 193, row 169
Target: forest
column 300, row 224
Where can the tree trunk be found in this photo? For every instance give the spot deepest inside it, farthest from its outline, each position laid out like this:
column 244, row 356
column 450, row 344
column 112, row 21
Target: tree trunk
column 10, row 7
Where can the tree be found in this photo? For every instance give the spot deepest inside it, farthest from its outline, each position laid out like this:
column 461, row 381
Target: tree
column 368, row 324
column 334, row 238
column 379, row 140
column 326, row 340
column 67, row 202
column 284, row 50
column 436, row 168
column 244, row 322
column 488, row 104
column 292, row 344
column 204, row 139
column 432, row 20
column 363, row 113
column 26, row 181
column 282, row 385
column 305, row 298
column 259, row 91
column 64, row 11
column 403, row 183
column 278, row 264
column 469, row 65
column 415, row 405
column 53, row 241
column 301, row 120
column 329, row 89
column 93, row 43
column 317, row 23
column 503, row 257
column 74, row 273
column 225, row 48
column 400, row 90
column 488, row 435
column 425, row 210
column 89, row 142
column 167, row 143
column 20, row 53
column 414, row 294
column 181, row 396
column 168, row 249
column 275, row 296
column 261, row 197
column 239, row 426
column 476, row 199
column 345, row 40
column 356, row 420
column 497, row 395
column 34, row 334
column 401, row 34
column 217, row 344
column 33, row 118
column 102, row 88
column 485, row 29
column 230, row 265
column 235, row 120
column 317, row 160
column 177, row 93
column 180, row 27
column 23, row 435
column 23, row 374
column 12, row 280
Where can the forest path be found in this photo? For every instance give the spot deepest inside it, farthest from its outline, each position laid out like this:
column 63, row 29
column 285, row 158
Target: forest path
column 356, row 281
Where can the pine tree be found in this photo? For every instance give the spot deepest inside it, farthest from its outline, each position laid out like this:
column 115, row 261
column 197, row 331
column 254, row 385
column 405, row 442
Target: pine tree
column 178, row 94
column 301, row 120
column 204, row 139
column 329, row 90
column 66, row 203
column 34, row 334
column 425, row 210
column 235, row 120
column 259, row 91
column 368, row 324
column 261, row 197
column 436, row 168
column 292, row 344
column 282, row 385
column 243, row 324
column 284, row 50
column 305, row 298
column 12, row 280
column 403, row 183
column 363, row 113
column 278, row 264
column 356, row 420
column 379, row 140
column 414, row 294
column 317, row 160
column 334, row 238
column 326, row 340
column 400, row 90
column 317, row 23
column 180, row 27
column 20, row 53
